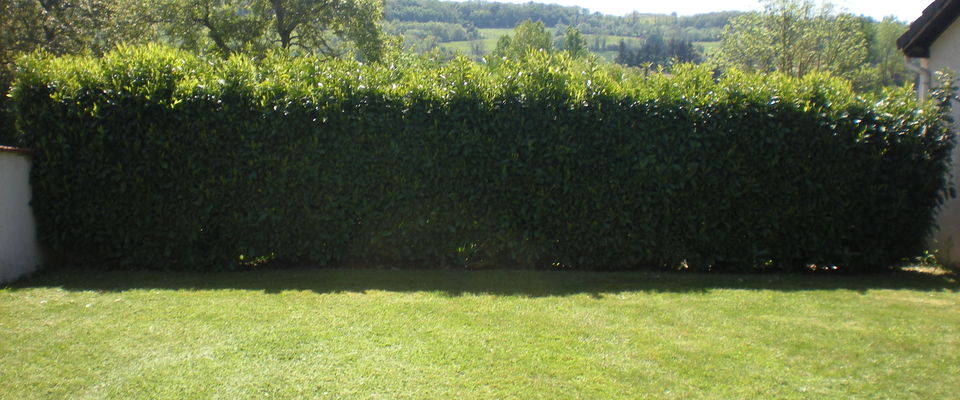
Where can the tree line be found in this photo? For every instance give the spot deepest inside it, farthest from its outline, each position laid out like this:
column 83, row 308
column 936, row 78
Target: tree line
column 481, row 14
column 795, row 37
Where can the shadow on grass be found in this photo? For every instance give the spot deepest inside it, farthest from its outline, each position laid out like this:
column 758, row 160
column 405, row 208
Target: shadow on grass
column 497, row 282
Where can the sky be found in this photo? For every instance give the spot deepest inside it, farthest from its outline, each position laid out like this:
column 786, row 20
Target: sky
column 904, row 10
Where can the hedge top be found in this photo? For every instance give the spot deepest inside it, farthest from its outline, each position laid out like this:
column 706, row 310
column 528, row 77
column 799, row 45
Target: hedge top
column 167, row 75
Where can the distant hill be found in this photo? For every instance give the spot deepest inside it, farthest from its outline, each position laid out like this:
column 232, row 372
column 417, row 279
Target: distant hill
column 474, row 15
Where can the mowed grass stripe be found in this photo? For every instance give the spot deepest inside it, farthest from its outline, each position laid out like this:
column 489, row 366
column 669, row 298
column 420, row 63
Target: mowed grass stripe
column 479, row 334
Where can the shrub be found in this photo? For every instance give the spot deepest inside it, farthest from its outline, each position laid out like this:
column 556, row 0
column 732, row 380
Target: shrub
column 152, row 158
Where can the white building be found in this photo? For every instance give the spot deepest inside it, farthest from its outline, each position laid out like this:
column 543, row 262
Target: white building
column 934, row 39
column 18, row 243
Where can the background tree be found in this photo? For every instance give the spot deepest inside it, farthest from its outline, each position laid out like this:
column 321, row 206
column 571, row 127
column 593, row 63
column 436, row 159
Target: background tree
column 60, row 27
column 477, row 49
column 655, row 53
column 306, row 23
column 227, row 26
column 574, row 43
column 527, row 36
column 67, row 26
column 623, row 54
column 252, row 26
column 883, row 53
column 795, row 37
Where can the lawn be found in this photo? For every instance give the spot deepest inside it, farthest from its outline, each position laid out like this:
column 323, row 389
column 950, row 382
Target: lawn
column 708, row 47
column 488, row 36
column 415, row 334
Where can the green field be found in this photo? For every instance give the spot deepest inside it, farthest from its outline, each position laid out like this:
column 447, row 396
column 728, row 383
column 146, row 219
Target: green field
column 415, row 334
column 489, row 39
column 708, row 47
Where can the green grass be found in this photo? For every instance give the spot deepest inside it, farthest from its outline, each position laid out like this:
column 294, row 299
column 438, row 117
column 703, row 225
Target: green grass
column 464, row 46
column 488, row 36
column 608, row 55
column 495, row 33
column 708, row 47
column 479, row 335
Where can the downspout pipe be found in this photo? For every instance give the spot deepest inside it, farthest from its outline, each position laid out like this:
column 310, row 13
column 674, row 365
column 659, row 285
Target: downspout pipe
column 923, row 90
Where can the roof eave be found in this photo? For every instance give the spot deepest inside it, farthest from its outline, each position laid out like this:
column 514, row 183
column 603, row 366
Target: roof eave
column 936, row 18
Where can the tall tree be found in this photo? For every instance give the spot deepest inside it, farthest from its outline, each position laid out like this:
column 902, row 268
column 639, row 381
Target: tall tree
column 65, row 26
column 527, row 36
column 795, row 37
column 624, row 55
column 59, row 27
column 305, row 23
column 883, row 52
column 309, row 26
column 574, row 43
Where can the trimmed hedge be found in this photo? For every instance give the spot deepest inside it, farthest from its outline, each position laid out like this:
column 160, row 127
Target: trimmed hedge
column 153, row 158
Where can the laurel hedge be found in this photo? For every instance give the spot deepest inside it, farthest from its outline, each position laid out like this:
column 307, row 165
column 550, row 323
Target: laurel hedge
column 154, row 158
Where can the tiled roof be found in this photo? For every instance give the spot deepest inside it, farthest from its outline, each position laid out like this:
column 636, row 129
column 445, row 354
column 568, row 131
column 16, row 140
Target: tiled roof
column 936, row 18
column 14, row 150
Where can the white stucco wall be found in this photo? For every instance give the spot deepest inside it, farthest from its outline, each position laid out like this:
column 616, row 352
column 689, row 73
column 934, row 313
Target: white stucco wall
column 18, row 243
column 945, row 54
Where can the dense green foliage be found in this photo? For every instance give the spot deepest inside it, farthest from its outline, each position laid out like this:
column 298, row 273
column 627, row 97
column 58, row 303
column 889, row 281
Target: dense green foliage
column 150, row 157
column 201, row 26
column 885, row 60
column 255, row 26
column 794, row 37
column 799, row 37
